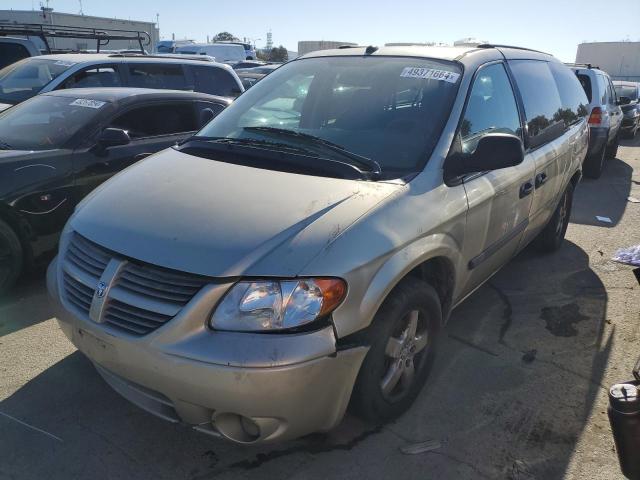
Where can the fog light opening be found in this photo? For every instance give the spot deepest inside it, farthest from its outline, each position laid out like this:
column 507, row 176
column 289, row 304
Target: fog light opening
column 237, row 427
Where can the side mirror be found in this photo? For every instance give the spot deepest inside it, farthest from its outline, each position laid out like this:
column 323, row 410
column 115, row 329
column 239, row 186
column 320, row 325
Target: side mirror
column 494, row 151
column 206, row 115
column 624, row 101
column 113, row 137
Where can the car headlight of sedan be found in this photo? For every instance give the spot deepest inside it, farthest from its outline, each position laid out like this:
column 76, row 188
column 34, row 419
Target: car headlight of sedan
column 272, row 305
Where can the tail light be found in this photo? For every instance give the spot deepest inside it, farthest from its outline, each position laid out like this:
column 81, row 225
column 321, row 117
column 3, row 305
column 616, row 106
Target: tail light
column 596, row 116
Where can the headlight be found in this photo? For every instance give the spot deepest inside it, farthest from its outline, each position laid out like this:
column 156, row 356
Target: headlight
column 267, row 305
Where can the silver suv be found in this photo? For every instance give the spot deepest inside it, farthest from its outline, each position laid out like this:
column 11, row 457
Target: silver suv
column 605, row 117
column 302, row 251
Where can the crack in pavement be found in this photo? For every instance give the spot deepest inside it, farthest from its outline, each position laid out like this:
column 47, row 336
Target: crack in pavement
column 314, row 449
column 473, row 467
column 507, row 313
column 472, row 345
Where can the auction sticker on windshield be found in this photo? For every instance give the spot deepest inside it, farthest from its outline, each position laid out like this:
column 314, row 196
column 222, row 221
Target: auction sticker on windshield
column 84, row 102
column 430, row 73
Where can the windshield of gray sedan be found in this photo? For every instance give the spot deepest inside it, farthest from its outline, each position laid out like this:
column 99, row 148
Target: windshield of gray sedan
column 25, row 78
column 626, row 91
column 388, row 109
column 46, row 122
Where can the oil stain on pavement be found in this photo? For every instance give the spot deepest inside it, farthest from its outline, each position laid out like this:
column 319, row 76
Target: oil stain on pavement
column 561, row 321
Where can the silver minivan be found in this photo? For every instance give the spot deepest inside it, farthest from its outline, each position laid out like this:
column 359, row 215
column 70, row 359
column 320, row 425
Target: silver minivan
column 302, row 251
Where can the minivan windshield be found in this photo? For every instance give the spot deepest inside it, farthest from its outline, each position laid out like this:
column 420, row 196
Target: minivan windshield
column 45, row 122
column 390, row 110
column 626, row 91
column 25, row 78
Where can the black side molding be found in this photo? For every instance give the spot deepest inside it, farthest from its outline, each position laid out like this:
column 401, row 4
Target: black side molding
column 497, row 245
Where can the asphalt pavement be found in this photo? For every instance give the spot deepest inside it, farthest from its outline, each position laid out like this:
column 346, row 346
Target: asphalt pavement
column 519, row 390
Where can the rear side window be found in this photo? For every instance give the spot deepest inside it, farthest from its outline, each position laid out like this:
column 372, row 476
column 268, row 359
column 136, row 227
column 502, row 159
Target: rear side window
column 602, row 89
column 585, row 81
column 157, row 75
column 94, row 77
column 157, row 119
column 491, row 108
column 574, row 100
column 11, row 53
column 215, row 81
column 541, row 98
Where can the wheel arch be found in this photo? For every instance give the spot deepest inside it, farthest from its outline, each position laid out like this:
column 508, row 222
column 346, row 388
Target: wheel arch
column 21, row 228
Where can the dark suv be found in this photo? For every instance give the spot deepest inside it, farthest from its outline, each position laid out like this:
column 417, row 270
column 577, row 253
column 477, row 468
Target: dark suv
column 57, row 147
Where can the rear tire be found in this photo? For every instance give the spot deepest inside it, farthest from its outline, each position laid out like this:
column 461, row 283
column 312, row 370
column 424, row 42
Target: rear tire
column 402, row 338
column 551, row 237
column 594, row 164
column 612, row 150
column 11, row 257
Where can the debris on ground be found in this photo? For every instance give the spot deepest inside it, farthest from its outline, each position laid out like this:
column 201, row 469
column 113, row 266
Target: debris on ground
column 421, row 447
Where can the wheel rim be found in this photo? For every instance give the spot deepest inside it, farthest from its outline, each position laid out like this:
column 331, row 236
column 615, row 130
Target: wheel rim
column 562, row 214
column 403, row 354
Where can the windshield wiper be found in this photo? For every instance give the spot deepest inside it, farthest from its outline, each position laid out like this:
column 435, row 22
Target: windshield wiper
column 5, row 146
column 246, row 141
column 372, row 167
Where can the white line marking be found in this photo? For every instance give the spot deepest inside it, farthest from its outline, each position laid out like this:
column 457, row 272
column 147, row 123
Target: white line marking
column 31, row 427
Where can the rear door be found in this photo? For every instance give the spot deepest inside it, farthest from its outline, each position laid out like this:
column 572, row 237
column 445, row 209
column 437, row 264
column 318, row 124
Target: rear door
column 94, row 76
column 151, row 126
column 545, row 137
column 615, row 112
column 499, row 200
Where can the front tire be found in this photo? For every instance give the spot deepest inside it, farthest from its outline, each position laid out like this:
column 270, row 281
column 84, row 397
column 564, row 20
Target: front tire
column 551, row 237
column 397, row 365
column 11, row 257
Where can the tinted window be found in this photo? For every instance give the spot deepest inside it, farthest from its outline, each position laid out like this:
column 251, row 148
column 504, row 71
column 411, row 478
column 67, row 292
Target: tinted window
column 602, row 89
column 216, row 81
column 159, row 119
column 11, row 53
column 157, row 75
column 46, row 121
column 611, row 93
column 627, row 91
column 491, row 107
column 26, row 78
column 542, row 105
column 585, row 81
column 385, row 108
column 574, row 100
column 94, row 77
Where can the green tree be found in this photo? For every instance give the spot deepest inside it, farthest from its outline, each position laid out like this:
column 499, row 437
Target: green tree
column 225, row 37
column 279, row 54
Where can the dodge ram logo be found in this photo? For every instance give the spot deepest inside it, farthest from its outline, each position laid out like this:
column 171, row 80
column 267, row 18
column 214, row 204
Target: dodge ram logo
column 102, row 288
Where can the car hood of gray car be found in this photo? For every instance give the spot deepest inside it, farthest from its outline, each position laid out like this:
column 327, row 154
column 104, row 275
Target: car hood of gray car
column 218, row 219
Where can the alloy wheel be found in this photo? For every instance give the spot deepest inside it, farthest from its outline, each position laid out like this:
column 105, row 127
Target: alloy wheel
column 403, row 355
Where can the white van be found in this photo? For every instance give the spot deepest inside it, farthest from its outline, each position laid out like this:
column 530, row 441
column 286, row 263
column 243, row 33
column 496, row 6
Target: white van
column 222, row 52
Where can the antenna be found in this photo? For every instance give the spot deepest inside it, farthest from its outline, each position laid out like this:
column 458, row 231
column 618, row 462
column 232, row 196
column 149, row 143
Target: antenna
column 81, row 11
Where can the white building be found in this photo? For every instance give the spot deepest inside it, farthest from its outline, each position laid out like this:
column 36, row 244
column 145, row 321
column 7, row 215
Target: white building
column 51, row 17
column 621, row 60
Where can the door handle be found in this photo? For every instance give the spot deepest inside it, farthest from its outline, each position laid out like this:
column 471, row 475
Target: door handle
column 140, row 156
column 541, row 179
column 526, row 188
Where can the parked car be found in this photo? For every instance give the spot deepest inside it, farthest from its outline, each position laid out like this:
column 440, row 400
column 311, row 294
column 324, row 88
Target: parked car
column 169, row 46
column 629, row 98
column 605, row 118
column 310, row 242
column 57, row 147
column 223, row 52
column 249, row 50
column 35, row 75
column 250, row 76
column 14, row 49
column 249, row 64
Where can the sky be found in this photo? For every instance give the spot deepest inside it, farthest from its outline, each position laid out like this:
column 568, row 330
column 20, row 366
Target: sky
column 553, row 26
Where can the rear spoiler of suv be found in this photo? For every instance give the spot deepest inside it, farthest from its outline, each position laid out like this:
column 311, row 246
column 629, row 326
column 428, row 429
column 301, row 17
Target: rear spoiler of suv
column 102, row 36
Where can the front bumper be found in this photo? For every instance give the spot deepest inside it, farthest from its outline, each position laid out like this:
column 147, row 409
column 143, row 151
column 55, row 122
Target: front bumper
column 250, row 388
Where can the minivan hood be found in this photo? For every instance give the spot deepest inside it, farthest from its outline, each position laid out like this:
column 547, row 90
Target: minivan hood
column 218, row 219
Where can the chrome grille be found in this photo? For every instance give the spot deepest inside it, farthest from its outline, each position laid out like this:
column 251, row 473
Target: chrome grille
column 142, row 297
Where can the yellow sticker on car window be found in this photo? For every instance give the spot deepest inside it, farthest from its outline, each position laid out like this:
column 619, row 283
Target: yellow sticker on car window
column 430, row 74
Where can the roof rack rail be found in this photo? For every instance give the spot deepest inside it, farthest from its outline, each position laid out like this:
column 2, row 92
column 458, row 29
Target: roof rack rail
column 495, row 45
column 584, row 65
column 343, row 47
column 171, row 56
column 101, row 36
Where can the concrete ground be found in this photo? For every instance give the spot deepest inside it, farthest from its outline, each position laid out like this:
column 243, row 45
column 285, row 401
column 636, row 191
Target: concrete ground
column 519, row 390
